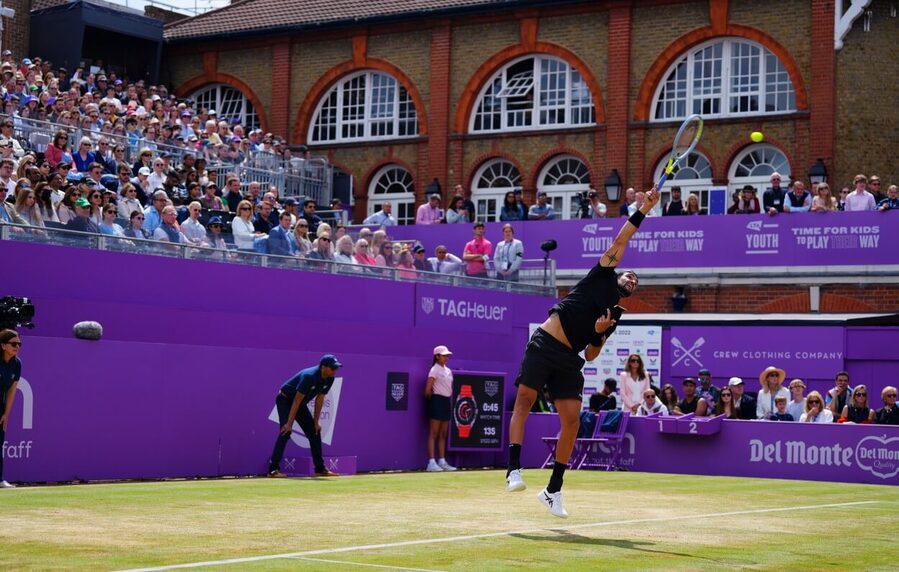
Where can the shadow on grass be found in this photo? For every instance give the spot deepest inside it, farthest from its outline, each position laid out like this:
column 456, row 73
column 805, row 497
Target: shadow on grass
column 568, row 537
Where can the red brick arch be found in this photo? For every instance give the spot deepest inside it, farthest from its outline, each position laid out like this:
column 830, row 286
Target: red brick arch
column 742, row 145
column 201, row 81
column 498, row 60
column 333, row 75
column 562, row 150
column 677, row 48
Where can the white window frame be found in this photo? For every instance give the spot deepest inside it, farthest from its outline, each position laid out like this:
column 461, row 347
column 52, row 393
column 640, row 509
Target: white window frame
column 500, row 97
column 488, row 199
column 562, row 195
column 761, row 177
column 697, row 163
column 391, row 116
column 770, row 79
column 248, row 116
column 403, row 203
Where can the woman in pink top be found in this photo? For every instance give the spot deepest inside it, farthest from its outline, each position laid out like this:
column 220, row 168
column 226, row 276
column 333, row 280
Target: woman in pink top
column 438, row 391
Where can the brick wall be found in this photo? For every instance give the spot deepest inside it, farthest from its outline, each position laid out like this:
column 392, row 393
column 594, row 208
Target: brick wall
column 16, row 30
column 867, row 122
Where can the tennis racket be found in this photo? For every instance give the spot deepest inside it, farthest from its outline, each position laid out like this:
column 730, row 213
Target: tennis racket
column 684, row 142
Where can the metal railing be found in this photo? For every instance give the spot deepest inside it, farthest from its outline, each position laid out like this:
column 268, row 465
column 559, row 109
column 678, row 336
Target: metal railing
column 296, row 177
column 533, row 279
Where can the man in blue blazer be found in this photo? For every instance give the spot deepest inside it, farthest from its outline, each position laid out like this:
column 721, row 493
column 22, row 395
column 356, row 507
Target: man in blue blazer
column 280, row 239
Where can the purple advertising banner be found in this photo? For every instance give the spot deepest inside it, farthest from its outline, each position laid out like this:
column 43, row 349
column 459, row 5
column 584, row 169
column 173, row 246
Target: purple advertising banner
column 811, row 239
column 767, row 449
column 804, row 352
column 453, row 308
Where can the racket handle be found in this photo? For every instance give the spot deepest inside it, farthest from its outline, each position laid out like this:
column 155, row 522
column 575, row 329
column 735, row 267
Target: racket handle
column 661, row 182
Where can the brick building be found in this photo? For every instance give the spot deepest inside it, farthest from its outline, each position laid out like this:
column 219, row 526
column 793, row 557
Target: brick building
column 553, row 95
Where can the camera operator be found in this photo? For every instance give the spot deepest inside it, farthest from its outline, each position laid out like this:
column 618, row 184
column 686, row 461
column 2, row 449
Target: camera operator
column 10, row 372
column 591, row 206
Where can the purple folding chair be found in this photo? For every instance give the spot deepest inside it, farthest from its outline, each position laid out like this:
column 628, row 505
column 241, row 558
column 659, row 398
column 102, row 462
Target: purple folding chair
column 603, row 449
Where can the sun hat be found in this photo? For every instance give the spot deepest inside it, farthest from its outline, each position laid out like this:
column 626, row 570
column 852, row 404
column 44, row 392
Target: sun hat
column 781, row 375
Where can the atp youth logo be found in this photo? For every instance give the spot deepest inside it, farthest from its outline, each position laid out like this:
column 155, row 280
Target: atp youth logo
column 762, row 237
column 327, row 420
column 427, row 304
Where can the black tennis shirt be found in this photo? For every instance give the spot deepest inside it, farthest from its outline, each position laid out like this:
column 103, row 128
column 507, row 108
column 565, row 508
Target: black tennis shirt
column 592, row 297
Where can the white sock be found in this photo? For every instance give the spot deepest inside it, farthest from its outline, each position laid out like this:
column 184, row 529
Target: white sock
column 431, row 460
column 442, row 461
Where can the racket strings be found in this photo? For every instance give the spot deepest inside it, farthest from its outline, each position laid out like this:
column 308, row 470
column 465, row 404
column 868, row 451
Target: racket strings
column 685, row 140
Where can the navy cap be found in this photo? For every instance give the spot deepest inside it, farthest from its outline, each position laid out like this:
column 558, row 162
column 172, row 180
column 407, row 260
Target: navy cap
column 290, row 201
column 418, row 248
column 689, row 380
column 330, row 360
column 704, row 371
column 214, row 220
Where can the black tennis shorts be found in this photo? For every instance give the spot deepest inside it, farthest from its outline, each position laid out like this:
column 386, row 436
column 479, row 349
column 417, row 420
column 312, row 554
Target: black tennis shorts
column 439, row 407
column 550, row 364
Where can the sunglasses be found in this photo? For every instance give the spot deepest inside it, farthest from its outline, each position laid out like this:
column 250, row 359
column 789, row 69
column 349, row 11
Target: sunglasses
column 14, row 344
column 245, row 208
column 889, row 395
column 323, row 239
column 635, row 360
column 857, row 394
column 814, row 401
column 139, row 218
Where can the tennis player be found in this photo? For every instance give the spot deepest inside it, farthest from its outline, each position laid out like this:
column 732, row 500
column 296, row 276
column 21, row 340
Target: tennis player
column 582, row 321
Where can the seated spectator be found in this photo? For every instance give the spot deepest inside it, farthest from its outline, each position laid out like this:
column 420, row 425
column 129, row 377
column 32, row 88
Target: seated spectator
column 109, row 226
column 780, row 410
column 691, row 403
column 797, row 200
column 796, row 406
column 823, row 201
column 325, row 228
column 889, row 413
column 405, row 266
column 322, row 248
column 668, row 396
column 210, row 200
column 725, row 404
column 706, row 390
column 169, row 230
column 153, row 212
column 857, row 411
column 191, row 228
column 261, row 222
column 136, row 226
column 301, row 234
column 693, row 207
column 66, row 209
column 232, row 197
column 382, row 217
column 430, row 212
column 839, row 395
column 8, row 212
column 444, row 262
column 95, row 197
column 771, row 381
column 512, row 209
column 309, row 214
column 815, row 412
column 362, row 255
column 891, row 201
column 281, row 240
column 508, row 255
column 44, row 194
column 214, row 238
column 83, row 158
column 542, row 210
column 274, row 215
column 385, row 255
column 344, row 253
column 82, row 221
column 456, row 212
column 57, row 148
column 860, row 199
column 27, row 207
column 290, row 207
column 128, row 203
column 604, row 399
column 743, row 402
column 651, row 405
column 242, row 227
column 419, row 260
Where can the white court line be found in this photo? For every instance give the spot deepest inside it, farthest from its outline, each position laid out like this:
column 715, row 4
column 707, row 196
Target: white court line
column 361, row 564
column 489, row 535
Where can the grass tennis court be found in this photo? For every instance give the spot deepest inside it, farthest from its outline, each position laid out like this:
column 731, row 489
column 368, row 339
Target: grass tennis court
column 463, row 520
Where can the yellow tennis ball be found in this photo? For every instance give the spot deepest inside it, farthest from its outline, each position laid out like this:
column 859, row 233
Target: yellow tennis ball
column 757, row 136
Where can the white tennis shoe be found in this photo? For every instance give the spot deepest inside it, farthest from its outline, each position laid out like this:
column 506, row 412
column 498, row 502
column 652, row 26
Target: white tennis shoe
column 444, row 466
column 6, row 485
column 514, row 482
column 433, row 467
column 553, row 501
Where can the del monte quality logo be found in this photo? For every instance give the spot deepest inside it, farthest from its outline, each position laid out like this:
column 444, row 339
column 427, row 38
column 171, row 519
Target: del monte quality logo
column 879, row 456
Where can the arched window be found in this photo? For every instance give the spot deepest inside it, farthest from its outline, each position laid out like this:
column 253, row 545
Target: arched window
column 755, row 165
column 725, row 78
column 562, row 179
column 694, row 176
column 364, row 106
column 491, row 182
column 535, row 92
column 229, row 104
column 393, row 184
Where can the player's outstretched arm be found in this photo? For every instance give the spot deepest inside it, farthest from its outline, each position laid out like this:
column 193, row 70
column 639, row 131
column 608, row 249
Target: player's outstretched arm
column 613, row 255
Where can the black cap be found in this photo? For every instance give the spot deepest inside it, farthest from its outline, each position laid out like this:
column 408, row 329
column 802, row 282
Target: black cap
column 689, row 380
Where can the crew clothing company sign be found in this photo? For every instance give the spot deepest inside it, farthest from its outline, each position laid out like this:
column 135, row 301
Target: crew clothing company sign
column 477, row 420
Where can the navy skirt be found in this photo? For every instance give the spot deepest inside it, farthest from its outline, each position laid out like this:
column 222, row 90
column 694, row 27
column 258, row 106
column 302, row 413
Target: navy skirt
column 439, row 408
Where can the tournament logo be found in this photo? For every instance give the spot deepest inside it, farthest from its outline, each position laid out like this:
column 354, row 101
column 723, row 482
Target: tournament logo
column 590, row 228
column 491, row 387
column 327, row 419
column 689, row 356
column 397, row 391
column 623, row 352
column 427, row 304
